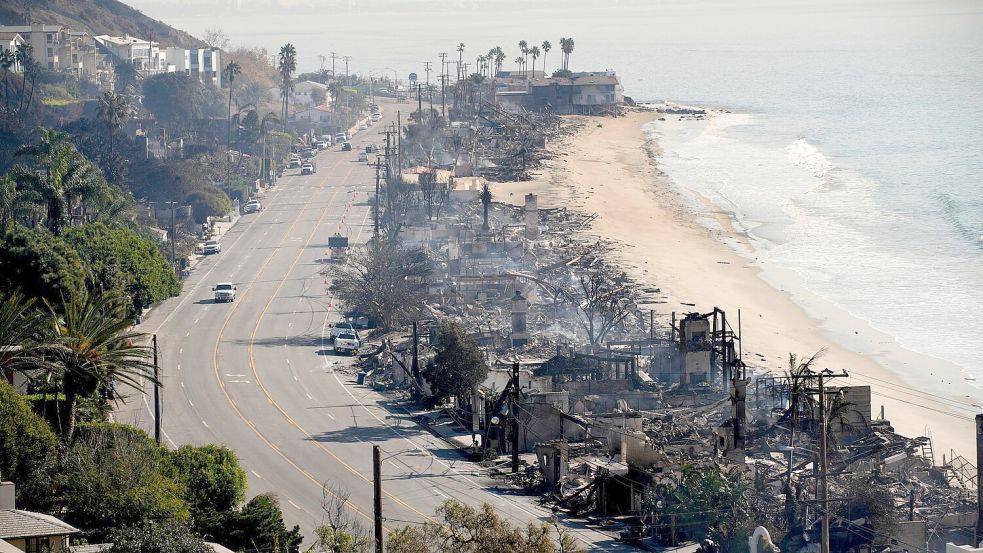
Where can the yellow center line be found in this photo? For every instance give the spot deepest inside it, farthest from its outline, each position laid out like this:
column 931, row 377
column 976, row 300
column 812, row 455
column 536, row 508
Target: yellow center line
column 218, row 339
column 259, row 380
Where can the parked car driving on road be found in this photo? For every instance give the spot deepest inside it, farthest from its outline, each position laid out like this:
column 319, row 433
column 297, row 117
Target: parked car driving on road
column 308, row 168
column 224, row 292
column 341, row 328
column 212, row 246
column 252, row 206
column 346, row 147
column 362, row 156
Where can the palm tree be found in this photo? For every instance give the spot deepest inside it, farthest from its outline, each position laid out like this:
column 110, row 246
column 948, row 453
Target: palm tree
column 518, row 61
column 287, row 65
column 62, row 176
column 231, row 72
column 486, row 198
column 534, row 52
column 798, row 375
column 113, row 113
column 546, row 50
column 460, row 59
column 19, row 324
column 566, row 46
column 7, row 60
column 499, row 58
column 95, row 348
column 524, row 50
column 25, row 57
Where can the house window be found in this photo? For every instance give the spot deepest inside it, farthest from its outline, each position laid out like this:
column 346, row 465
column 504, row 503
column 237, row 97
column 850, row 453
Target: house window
column 37, row 545
column 51, row 53
column 49, row 38
column 51, row 66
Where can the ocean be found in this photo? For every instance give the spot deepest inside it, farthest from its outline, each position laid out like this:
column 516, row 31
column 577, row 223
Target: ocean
column 851, row 152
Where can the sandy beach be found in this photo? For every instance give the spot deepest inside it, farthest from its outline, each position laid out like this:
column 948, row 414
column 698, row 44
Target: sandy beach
column 610, row 168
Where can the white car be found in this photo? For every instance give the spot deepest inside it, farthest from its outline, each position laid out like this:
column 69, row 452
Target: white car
column 307, row 169
column 347, row 342
column 224, row 292
column 252, row 206
column 212, row 246
column 362, row 156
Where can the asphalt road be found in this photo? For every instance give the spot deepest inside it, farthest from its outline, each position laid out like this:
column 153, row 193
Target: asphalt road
column 258, row 374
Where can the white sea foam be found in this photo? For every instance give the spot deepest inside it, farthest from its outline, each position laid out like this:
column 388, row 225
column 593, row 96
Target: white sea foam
column 805, row 155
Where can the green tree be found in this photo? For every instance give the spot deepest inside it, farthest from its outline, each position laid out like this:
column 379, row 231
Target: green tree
column 19, row 326
column 95, row 350
column 318, row 96
column 115, row 475
column 209, row 202
column 534, row 52
column 59, row 179
column 705, row 503
column 259, row 526
column 460, row 61
column 464, row 529
column 156, row 537
column 458, row 367
column 546, row 50
column 174, row 99
column 120, row 260
column 211, row 475
column 231, row 72
column 7, row 60
column 40, row 265
column 28, row 450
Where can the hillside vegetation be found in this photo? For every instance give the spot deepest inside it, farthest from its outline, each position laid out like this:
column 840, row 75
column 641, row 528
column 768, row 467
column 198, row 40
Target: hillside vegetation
column 97, row 17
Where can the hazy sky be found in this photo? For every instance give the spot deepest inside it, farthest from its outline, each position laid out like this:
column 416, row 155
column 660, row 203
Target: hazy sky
column 401, row 34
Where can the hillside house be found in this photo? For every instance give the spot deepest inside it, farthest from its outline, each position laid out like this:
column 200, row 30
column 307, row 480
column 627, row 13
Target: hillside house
column 28, row 531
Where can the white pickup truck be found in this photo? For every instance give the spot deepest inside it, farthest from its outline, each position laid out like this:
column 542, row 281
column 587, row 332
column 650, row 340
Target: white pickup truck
column 347, row 342
column 224, row 292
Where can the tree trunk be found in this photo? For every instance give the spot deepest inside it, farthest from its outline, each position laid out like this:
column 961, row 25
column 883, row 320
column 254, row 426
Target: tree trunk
column 71, row 403
column 484, row 224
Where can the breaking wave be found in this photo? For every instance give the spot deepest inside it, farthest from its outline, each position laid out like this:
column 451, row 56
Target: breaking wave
column 802, row 154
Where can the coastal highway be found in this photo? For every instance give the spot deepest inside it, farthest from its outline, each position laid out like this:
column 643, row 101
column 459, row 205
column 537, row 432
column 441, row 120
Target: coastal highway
column 258, row 375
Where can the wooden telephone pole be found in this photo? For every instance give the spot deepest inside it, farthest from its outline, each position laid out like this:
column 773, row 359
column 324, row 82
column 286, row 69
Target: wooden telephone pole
column 157, row 430
column 513, row 408
column 377, row 497
column 823, row 430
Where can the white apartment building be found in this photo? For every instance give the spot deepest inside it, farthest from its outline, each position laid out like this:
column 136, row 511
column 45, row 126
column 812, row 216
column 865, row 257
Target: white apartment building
column 203, row 64
column 8, row 43
column 145, row 55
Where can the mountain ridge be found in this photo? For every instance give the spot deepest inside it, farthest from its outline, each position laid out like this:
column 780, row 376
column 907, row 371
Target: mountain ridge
column 97, row 17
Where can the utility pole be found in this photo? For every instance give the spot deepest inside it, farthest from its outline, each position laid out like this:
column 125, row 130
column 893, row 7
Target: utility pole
column 375, row 218
column 348, row 82
column 333, row 74
column 416, row 351
column 426, row 67
column 156, row 394
column 377, row 496
column 399, row 145
column 823, row 429
column 515, row 417
column 419, row 101
column 443, row 80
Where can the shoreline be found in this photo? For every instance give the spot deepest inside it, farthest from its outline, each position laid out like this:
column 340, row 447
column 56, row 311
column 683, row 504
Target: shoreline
column 610, row 167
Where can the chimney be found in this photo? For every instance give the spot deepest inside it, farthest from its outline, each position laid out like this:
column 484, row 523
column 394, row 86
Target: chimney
column 7, row 496
column 531, row 215
column 520, row 335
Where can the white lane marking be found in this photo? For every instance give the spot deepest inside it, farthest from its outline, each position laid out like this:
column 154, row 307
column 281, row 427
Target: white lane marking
column 294, row 505
column 187, row 334
column 205, row 423
column 178, row 366
column 182, row 384
column 330, row 416
column 196, row 320
column 234, row 375
column 290, row 325
column 295, row 378
column 308, row 396
column 180, row 351
column 239, row 382
column 256, row 474
column 438, row 492
column 191, row 403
